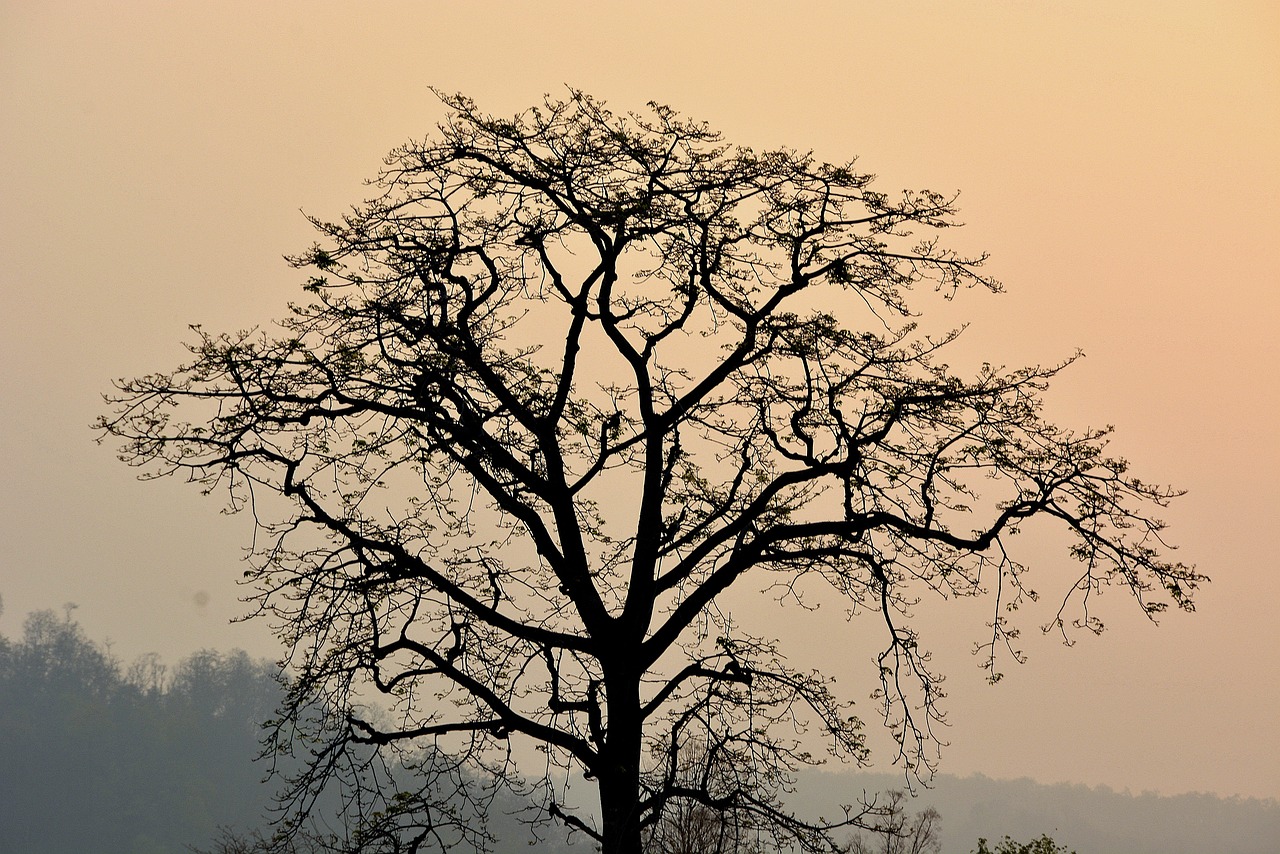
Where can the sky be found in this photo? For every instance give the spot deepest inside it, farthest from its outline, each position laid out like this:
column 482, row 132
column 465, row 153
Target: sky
column 1118, row 161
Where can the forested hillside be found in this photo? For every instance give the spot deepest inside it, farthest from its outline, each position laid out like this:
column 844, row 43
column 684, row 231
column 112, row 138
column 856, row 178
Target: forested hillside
column 99, row 757
column 1088, row 820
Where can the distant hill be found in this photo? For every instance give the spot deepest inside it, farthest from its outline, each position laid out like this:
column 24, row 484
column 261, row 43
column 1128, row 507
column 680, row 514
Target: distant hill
column 150, row 759
column 99, row 758
column 1087, row 820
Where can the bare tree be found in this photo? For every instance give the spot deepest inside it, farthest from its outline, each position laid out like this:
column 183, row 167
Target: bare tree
column 895, row 831
column 563, row 382
column 702, row 814
column 229, row 841
column 688, row 827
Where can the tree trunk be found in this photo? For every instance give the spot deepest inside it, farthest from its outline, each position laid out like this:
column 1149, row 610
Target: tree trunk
column 619, row 777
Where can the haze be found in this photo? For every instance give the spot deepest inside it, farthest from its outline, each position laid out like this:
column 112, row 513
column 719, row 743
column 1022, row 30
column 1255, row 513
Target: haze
column 1118, row 161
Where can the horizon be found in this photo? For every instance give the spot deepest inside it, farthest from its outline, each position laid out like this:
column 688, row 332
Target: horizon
column 889, row 778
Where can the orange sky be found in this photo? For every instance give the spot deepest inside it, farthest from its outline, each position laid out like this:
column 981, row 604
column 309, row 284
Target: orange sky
column 1119, row 161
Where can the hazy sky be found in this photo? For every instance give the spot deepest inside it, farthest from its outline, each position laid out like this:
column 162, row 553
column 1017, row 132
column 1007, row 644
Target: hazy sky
column 1120, row 161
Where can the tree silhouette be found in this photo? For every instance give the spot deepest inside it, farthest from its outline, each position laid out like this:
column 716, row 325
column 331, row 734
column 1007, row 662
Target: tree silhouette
column 898, row 832
column 562, row 383
column 1044, row 844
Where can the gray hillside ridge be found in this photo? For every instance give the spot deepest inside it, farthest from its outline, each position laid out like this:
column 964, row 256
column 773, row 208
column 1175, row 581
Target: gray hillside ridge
column 1088, row 820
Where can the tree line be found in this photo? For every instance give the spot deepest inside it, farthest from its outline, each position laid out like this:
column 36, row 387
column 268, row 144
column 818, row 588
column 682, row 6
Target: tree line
column 146, row 758
column 138, row 759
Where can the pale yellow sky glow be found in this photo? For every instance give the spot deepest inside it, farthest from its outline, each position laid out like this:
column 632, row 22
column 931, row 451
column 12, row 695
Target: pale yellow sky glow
column 1120, row 162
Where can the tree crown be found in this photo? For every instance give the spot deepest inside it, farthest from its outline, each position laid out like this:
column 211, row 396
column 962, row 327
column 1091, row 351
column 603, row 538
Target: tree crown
column 565, row 380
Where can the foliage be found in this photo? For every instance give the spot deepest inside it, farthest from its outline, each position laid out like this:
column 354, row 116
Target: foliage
column 148, row 758
column 1043, row 845
column 566, row 381
column 154, row 757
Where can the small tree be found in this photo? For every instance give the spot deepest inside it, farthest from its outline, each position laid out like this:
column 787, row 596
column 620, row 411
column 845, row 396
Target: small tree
column 895, row 831
column 1042, row 845
column 563, row 383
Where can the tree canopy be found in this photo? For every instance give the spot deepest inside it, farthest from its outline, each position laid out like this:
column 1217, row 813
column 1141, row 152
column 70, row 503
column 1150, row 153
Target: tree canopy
column 565, row 380
column 1042, row 845
column 148, row 758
